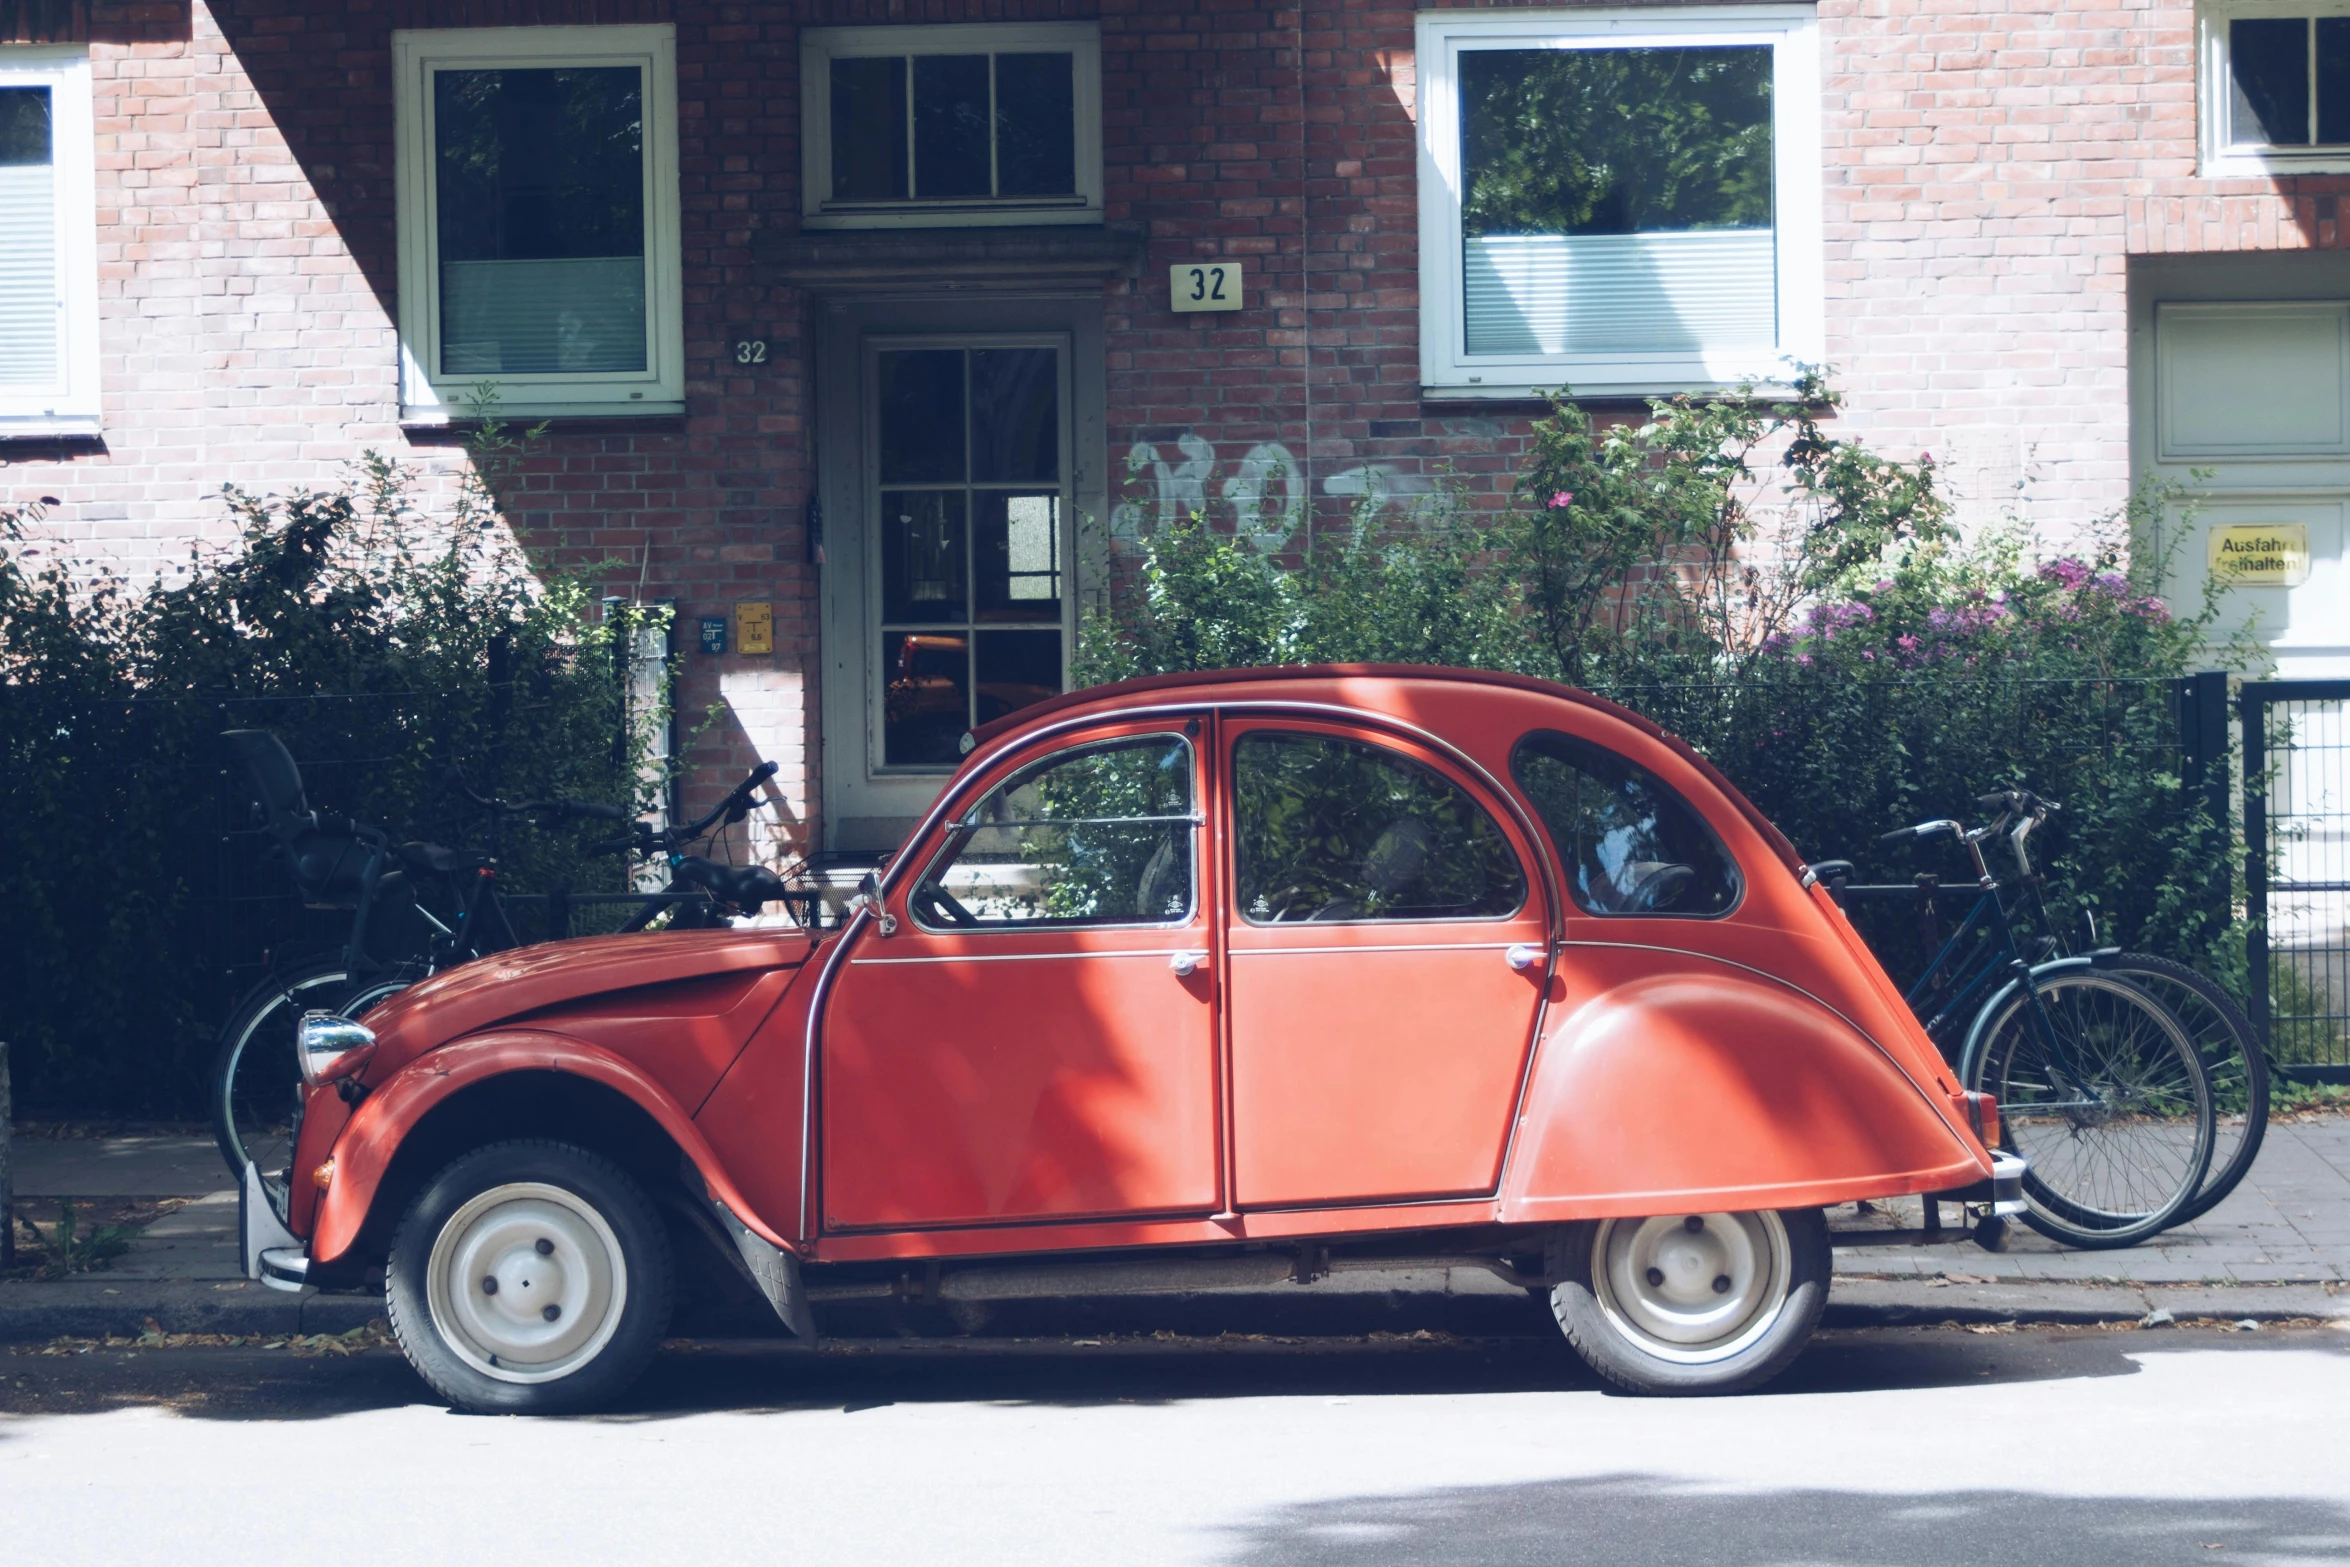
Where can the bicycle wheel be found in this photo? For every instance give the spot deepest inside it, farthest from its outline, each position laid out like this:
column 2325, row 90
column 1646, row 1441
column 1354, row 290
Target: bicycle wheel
column 2231, row 1053
column 2115, row 1122
column 254, row 1078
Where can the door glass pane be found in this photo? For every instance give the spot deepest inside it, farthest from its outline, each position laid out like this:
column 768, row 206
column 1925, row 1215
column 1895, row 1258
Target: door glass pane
column 1328, row 829
column 1035, row 125
column 28, row 240
column 2333, row 79
column 869, row 129
column 951, row 153
column 1100, row 836
column 1017, row 669
column 541, row 220
column 922, row 576
column 921, row 394
column 1015, row 415
column 1630, row 845
column 2268, row 68
column 926, row 699
column 1017, row 549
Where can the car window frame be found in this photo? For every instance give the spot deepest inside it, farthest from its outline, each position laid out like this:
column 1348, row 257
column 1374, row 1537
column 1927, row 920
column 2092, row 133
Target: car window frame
column 1740, row 880
column 958, row 829
column 1242, row 724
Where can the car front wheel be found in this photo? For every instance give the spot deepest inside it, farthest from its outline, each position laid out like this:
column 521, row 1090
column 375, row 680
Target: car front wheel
column 1694, row 1302
column 529, row 1277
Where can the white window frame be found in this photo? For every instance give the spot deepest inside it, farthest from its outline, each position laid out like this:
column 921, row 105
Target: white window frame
column 659, row 388
column 820, row 46
column 2218, row 158
column 69, row 406
column 1450, row 371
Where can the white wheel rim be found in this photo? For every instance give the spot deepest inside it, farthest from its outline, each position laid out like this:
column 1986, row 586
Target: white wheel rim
column 1692, row 1288
column 507, row 1257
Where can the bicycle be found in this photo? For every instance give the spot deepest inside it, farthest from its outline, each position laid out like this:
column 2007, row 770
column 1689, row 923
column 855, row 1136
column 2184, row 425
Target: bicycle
column 2095, row 1079
column 2222, row 1034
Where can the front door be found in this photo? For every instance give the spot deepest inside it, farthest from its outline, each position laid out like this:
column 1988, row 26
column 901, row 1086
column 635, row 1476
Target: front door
column 1388, row 947
column 1036, row 1040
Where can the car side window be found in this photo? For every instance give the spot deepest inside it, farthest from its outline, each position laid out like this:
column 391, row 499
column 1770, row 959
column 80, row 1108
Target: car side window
column 1327, row 829
column 1101, row 835
column 1630, row 844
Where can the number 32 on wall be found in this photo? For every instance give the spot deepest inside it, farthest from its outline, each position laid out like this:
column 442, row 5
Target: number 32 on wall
column 1204, row 285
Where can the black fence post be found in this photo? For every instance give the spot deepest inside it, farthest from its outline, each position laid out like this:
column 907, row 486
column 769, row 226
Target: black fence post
column 2202, row 704
column 7, row 1171
column 2255, row 721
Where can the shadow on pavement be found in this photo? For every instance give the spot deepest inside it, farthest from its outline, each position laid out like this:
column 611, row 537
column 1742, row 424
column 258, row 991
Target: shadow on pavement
column 1636, row 1521
column 750, row 1377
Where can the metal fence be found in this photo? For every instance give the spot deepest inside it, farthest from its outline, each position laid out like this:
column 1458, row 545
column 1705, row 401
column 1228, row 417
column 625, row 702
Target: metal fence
column 2297, row 871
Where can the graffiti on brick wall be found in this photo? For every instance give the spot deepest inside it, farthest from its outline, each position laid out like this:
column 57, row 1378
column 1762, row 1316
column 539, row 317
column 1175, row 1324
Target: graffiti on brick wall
column 1263, row 495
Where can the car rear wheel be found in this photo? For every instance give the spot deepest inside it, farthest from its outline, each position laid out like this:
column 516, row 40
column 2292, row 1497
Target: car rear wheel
column 529, row 1278
column 1692, row 1303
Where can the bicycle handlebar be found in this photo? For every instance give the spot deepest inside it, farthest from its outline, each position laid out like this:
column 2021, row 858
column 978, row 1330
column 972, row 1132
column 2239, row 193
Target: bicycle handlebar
column 1921, row 830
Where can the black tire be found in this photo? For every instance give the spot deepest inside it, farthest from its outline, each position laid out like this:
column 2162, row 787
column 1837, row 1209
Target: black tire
column 2231, row 1052
column 571, row 1250
column 2112, row 1160
column 251, row 1095
column 1676, row 1342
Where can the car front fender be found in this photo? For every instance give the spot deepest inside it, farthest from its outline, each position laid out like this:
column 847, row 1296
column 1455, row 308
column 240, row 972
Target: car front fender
column 383, row 1120
column 1721, row 1091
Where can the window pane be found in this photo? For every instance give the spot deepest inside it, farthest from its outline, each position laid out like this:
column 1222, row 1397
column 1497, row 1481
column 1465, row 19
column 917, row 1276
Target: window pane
column 922, row 549
column 1102, row 836
column 2268, row 67
column 541, row 185
column 1016, row 546
column 1017, row 669
column 1630, row 845
column 950, row 126
column 926, row 701
column 1015, row 415
column 2333, row 79
column 1332, row 829
column 1035, row 125
column 1618, row 200
column 921, row 411
column 28, row 241
column 869, row 129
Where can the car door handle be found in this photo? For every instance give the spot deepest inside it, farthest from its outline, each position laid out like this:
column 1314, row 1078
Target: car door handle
column 1186, row 964
column 1522, row 956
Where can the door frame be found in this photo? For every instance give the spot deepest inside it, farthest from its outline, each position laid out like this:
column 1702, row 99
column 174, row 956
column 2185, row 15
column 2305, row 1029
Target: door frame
column 864, row 810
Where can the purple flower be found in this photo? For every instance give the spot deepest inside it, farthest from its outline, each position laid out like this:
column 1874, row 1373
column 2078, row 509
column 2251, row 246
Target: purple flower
column 1804, row 659
column 2066, row 572
column 1884, row 584
column 2110, row 583
column 1560, row 499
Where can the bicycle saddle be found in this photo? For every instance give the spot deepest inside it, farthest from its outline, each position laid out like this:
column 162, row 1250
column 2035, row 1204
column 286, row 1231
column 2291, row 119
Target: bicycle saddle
column 747, row 887
column 435, row 859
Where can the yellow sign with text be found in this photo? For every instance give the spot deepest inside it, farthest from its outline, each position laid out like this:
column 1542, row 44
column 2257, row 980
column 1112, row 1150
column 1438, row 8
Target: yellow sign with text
column 754, row 628
column 2261, row 554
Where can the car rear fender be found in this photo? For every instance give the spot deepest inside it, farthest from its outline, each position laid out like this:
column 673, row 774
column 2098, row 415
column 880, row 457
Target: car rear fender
column 1721, row 1091
column 369, row 1143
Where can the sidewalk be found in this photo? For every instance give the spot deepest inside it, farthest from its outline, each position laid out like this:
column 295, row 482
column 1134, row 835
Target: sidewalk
column 2278, row 1249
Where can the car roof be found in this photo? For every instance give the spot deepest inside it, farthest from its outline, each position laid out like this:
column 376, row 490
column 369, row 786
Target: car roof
column 1209, row 686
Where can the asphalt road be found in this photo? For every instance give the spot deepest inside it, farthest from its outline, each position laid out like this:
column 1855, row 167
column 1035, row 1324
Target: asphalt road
column 1910, row 1447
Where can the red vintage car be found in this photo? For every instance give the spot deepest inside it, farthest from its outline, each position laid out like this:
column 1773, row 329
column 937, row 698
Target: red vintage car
column 1187, row 982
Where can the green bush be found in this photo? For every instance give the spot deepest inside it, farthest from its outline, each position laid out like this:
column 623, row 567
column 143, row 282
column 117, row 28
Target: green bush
column 384, row 645
column 1797, row 607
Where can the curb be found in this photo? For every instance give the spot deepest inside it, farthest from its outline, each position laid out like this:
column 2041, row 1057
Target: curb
column 1870, row 1303
column 35, row 1313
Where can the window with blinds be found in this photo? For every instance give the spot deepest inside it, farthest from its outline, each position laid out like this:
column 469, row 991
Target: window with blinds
column 48, row 244
column 1618, row 201
column 29, row 303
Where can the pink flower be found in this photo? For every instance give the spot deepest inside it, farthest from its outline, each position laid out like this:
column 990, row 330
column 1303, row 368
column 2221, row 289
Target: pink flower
column 1562, row 499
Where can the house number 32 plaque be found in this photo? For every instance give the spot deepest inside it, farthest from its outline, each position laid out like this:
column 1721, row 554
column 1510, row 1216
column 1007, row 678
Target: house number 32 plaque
column 1205, row 285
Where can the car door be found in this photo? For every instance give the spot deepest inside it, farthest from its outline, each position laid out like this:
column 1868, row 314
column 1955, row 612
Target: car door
column 1388, row 942
column 1036, row 1037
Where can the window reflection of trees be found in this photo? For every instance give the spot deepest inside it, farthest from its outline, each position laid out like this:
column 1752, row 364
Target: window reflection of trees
column 1103, row 836
column 1330, row 829
column 1630, row 845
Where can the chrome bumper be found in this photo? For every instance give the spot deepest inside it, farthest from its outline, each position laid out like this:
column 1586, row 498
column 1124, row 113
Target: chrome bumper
column 2007, row 1183
column 272, row 1253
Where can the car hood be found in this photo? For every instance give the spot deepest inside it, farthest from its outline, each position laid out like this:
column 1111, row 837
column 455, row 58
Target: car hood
column 565, row 979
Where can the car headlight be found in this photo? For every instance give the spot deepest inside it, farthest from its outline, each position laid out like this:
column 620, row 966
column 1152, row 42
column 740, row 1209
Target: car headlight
column 329, row 1047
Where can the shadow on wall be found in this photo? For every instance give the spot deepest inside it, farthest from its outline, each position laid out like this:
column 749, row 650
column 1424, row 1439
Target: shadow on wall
column 1636, row 1521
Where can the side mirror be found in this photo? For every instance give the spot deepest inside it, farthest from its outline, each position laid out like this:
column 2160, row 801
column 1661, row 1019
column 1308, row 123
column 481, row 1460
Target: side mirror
column 869, row 897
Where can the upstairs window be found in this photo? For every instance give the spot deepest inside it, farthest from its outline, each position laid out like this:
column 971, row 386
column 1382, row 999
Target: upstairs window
column 932, row 126
column 1618, row 201
column 48, row 245
column 538, row 220
column 2276, row 87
